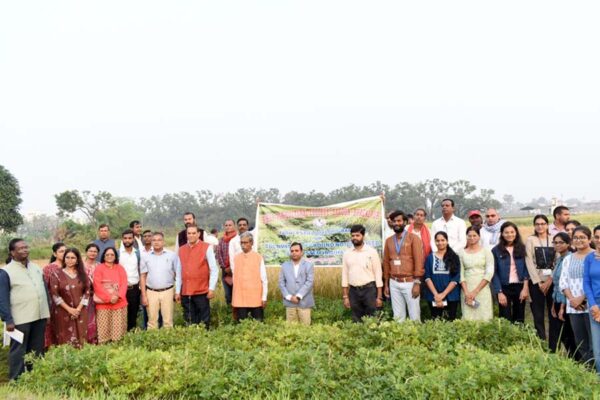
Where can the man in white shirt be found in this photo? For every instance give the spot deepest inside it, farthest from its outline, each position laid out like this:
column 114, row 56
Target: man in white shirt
column 129, row 258
column 455, row 227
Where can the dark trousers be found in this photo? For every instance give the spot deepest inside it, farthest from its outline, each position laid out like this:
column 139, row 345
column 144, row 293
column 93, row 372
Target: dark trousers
column 563, row 332
column 133, row 306
column 196, row 309
column 540, row 305
column 228, row 289
column 515, row 308
column 33, row 341
column 448, row 313
column 583, row 336
column 362, row 301
column 256, row 313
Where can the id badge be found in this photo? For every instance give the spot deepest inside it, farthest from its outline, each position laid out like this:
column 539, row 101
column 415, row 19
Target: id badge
column 397, row 263
column 547, row 272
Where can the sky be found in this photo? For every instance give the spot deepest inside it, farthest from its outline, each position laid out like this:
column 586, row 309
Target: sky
column 153, row 97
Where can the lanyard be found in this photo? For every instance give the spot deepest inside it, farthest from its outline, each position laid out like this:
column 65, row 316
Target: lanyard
column 399, row 245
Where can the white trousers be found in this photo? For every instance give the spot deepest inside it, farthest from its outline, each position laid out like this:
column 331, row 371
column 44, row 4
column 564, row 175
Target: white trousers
column 401, row 295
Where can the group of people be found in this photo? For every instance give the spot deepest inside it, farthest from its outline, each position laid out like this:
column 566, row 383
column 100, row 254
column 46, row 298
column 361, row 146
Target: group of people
column 557, row 269
column 98, row 297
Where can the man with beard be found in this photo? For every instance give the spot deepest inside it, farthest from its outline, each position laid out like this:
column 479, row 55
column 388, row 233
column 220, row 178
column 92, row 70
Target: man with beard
column 403, row 269
column 129, row 258
column 361, row 276
column 561, row 215
column 189, row 219
column 222, row 251
column 490, row 230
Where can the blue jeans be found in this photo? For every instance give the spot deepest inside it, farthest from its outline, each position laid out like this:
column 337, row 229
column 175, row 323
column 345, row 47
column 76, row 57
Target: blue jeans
column 595, row 328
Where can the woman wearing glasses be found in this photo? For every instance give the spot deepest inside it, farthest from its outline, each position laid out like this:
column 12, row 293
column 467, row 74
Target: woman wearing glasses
column 540, row 260
column 562, row 245
column 591, row 286
column 571, row 284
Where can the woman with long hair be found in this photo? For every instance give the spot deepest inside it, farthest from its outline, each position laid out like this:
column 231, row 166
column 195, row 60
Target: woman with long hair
column 540, row 263
column 56, row 260
column 571, row 284
column 442, row 278
column 476, row 272
column 510, row 275
column 564, row 331
column 70, row 292
column 110, row 296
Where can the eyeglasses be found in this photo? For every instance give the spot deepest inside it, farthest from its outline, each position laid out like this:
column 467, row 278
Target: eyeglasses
column 580, row 238
column 557, row 243
column 491, row 216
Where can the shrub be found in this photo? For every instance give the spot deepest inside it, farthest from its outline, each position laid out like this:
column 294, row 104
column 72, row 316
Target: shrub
column 466, row 360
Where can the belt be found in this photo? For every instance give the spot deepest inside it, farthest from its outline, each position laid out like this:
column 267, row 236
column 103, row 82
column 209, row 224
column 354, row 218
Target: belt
column 137, row 285
column 404, row 279
column 370, row 284
column 159, row 290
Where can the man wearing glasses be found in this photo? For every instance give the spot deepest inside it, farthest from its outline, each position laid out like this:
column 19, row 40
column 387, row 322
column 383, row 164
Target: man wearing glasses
column 249, row 281
column 490, row 230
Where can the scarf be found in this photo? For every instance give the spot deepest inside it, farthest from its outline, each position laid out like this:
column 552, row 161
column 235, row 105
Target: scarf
column 425, row 238
column 494, row 230
column 228, row 236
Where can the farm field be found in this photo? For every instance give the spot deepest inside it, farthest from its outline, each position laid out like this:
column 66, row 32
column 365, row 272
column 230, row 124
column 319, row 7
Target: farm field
column 340, row 359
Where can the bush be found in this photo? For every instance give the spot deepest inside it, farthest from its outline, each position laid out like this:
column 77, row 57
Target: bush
column 438, row 360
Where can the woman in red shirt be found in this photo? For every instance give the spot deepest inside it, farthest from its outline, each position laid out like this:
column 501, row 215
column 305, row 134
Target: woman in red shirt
column 110, row 288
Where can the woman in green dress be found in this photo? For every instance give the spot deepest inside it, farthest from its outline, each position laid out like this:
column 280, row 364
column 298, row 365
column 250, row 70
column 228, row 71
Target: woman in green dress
column 476, row 272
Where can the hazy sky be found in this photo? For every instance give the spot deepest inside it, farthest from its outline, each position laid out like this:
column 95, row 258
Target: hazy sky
column 149, row 97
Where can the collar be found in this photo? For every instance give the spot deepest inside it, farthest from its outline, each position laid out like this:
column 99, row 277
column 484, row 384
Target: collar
column 158, row 254
column 444, row 219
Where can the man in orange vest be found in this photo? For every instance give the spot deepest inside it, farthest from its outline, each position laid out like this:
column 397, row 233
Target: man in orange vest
column 196, row 278
column 249, row 281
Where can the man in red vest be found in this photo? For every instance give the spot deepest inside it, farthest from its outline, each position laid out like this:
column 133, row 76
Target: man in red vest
column 196, row 278
column 249, row 281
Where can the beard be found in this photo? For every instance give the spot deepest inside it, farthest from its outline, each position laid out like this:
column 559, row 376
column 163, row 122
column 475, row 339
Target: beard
column 357, row 242
column 399, row 229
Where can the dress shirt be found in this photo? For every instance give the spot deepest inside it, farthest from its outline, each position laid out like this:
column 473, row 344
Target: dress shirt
column 360, row 267
column 160, row 267
column 456, row 229
column 130, row 263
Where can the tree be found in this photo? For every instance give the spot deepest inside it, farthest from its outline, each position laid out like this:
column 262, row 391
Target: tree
column 509, row 202
column 10, row 200
column 71, row 201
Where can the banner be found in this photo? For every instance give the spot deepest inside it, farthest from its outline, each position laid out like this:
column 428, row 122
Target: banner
column 323, row 231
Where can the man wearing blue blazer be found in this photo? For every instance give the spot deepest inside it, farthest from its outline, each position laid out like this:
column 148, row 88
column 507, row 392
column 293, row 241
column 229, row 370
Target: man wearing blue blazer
column 296, row 284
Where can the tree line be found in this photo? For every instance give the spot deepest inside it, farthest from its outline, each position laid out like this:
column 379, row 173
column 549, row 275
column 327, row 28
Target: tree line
column 212, row 208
